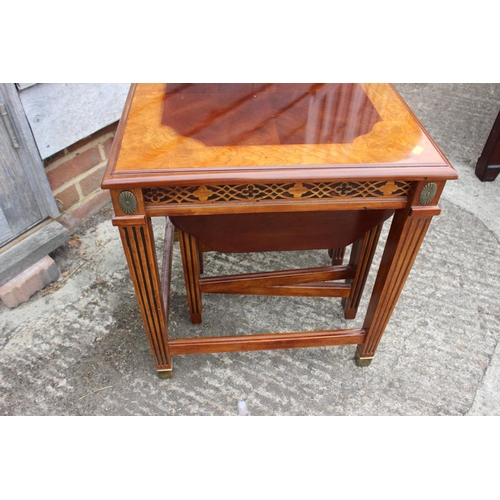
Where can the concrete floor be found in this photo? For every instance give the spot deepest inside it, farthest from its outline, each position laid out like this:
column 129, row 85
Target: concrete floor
column 78, row 346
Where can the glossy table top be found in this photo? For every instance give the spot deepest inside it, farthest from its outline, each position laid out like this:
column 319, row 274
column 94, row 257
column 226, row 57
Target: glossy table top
column 174, row 132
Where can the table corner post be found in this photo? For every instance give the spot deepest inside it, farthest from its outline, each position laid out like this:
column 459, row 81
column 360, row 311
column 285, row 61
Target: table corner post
column 191, row 260
column 406, row 235
column 137, row 238
column 362, row 253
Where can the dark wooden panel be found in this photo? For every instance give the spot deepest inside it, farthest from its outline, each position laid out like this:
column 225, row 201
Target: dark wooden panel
column 280, row 231
column 488, row 164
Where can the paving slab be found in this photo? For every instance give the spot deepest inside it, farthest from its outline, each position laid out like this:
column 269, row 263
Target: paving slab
column 78, row 346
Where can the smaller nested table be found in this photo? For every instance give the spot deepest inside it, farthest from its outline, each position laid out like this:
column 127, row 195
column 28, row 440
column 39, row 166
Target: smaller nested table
column 488, row 164
column 272, row 167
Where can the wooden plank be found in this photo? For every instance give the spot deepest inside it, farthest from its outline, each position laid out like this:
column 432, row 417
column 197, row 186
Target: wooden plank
column 279, row 278
column 17, row 199
column 29, row 156
column 307, row 282
column 302, row 290
column 5, row 231
column 266, row 341
column 24, row 251
column 166, row 267
column 61, row 114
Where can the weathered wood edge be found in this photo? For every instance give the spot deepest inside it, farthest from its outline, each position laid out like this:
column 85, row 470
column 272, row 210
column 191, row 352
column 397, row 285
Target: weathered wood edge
column 29, row 248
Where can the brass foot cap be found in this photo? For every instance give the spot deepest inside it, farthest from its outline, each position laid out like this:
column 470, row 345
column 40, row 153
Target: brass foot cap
column 360, row 361
column 165, row 373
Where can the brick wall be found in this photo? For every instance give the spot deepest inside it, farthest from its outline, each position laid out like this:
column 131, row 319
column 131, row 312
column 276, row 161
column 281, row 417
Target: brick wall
column 75, row 175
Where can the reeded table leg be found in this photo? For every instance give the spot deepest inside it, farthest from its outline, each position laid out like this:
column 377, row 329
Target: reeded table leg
column 190, row 253
column 362, row 253
column 405, row 237
column 337, row 256
column 138, row 244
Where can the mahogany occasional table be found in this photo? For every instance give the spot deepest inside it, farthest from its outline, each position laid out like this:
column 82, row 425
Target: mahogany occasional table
column 272, row 167
column 488, row 164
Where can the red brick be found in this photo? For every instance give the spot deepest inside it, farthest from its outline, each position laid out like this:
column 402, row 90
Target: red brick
column 67, row 198
column 107, row 146
column 92, row 181
column 74, row 218
column 52, row 159
column 76, row 166
column 20, row 288
column 83, row 142
column 109, row 128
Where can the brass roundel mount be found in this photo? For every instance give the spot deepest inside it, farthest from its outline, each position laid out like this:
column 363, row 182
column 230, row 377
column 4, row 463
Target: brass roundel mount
column 427, row 194
column 127, row 202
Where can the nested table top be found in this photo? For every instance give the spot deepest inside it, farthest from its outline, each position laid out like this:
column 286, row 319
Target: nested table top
column 171, row 133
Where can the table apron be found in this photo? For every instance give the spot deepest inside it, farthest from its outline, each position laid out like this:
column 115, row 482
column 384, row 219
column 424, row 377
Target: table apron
column 157, row 210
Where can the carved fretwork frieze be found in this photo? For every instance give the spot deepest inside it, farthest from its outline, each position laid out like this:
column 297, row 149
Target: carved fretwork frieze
column 274, row 192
